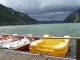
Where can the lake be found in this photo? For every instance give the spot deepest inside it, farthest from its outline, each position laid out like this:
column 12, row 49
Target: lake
column 61, row 29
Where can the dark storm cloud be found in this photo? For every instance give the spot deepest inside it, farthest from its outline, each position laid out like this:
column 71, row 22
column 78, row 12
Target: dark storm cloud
column 44, row 9
column 51, row 16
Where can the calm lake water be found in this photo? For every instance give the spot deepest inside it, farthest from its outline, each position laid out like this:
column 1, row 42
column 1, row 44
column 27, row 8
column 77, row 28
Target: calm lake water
column 72, row 29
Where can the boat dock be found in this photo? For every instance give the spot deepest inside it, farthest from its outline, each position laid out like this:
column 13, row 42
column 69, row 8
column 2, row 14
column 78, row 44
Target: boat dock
column 18, row 55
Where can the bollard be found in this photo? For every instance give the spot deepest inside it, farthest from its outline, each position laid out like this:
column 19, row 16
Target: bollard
column 78, row 49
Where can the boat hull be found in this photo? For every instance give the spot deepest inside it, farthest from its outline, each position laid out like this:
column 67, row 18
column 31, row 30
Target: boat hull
column 50, row 47
column 23, row 48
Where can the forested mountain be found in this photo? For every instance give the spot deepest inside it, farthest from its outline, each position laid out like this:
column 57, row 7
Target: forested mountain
column 73, row 17
column 8, row 16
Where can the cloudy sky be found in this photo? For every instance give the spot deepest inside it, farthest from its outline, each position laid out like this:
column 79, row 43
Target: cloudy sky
column 44, row 9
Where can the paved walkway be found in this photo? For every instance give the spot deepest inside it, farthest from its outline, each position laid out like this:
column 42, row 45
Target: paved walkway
column 18, row 55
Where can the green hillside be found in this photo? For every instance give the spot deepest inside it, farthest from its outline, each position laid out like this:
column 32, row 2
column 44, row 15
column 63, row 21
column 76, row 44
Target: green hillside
column 10, row 17
column 74, row 17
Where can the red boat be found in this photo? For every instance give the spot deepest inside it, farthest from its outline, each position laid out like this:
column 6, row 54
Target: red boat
column 17, row 41
column 20, row 45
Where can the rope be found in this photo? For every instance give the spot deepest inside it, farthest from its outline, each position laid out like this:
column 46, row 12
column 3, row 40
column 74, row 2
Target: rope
column 56, row 37
column 47, row 37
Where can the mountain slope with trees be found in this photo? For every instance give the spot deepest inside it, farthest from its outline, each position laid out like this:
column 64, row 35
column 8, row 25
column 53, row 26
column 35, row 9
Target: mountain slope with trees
column 74, row 17
column 10, row 17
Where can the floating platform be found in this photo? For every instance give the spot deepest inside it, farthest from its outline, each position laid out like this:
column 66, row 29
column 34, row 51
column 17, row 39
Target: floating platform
column 18, row 55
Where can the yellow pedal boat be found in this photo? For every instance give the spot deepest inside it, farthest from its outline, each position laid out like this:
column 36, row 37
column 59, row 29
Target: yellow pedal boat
column 51, row 47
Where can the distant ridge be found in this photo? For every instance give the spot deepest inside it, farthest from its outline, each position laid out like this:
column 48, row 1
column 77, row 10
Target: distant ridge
column 8, row 16
column 49, row 22
column 74, row 17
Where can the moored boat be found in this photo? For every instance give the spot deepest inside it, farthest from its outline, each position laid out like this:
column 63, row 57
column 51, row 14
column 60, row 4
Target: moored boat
column 50, row 46
column 20, row 45
column 16, row 41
